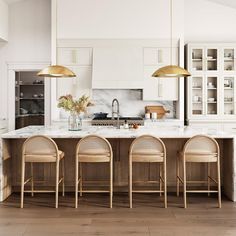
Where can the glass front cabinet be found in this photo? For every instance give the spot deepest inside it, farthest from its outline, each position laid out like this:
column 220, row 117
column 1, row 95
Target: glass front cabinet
column 211, row 87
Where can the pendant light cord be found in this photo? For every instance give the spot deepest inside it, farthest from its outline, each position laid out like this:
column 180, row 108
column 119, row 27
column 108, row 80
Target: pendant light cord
column 56, row 30
column 171, row 30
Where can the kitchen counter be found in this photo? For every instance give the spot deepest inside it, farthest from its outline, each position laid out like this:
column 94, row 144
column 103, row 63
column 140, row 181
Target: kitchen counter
column 111, row 132
column 120, row 139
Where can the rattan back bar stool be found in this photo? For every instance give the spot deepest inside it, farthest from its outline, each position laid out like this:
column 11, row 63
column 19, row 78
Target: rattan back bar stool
column 199, row 149
column 148, row 149
column 41, row 149
column 92, row 149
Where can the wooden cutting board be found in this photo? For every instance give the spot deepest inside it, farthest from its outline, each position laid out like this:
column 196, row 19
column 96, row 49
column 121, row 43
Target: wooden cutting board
column 160, row 110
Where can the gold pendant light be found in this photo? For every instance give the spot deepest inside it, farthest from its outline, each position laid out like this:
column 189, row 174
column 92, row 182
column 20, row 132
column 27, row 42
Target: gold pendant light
column 171, row 71
column 56, row 71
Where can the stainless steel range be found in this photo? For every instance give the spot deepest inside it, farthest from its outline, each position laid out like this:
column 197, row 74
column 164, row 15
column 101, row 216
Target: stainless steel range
column 113, row 122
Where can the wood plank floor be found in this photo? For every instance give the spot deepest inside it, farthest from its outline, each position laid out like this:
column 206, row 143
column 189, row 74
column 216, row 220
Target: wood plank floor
column 93, row 217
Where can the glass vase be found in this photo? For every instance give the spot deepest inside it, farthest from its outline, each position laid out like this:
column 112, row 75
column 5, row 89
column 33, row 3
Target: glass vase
column 74, row 122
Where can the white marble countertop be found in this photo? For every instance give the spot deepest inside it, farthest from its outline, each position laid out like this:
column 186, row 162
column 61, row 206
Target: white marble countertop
column 111, row 132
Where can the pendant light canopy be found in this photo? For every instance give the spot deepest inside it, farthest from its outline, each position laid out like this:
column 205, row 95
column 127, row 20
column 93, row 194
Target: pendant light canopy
column 171, row 71
column 56, row 71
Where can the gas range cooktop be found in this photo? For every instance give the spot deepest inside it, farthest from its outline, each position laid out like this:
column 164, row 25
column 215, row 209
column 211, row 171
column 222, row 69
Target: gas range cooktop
column 109, row 121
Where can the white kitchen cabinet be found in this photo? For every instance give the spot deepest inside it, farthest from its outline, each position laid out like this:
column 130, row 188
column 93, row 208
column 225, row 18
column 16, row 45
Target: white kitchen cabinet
column 119, row 64
column 3, row 126
column 159, row 88
column 79, row 60
column 77, row 86
column 228, row 53
column 203, row 58
column 211, row 88
column 4, row 21
column 78, row 56
column 205, row 96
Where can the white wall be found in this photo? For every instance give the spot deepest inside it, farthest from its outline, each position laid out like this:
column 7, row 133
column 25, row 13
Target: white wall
column 3, row 20
column 29, row 39
column 119, row 18
column 208, row 21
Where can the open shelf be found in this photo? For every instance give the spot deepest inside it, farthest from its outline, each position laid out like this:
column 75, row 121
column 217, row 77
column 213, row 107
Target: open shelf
column 29, row 109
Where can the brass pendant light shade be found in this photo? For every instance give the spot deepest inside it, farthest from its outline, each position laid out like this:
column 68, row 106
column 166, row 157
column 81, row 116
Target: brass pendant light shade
column 56, row 71
column 171, row 71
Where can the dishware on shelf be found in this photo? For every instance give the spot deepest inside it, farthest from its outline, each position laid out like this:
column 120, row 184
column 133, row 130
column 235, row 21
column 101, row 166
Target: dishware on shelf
column 36, row 81
column 34, row 111
column 196, row 98
column 35, row 95
column 211, row 99
column 23, row 111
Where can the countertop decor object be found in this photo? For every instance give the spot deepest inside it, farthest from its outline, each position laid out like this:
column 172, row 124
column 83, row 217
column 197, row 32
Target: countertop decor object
column 75, row 107
column 159, row 110
column 171, row 71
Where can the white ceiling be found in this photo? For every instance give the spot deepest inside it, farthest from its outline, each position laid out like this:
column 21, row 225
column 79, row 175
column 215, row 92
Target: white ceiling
column 230, row 3
column 12, row 1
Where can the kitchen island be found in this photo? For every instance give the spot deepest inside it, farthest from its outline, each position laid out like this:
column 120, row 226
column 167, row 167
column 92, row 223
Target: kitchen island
column 120, row 139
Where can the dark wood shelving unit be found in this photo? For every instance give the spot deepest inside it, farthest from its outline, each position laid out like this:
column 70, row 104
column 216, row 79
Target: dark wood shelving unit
column 29, row 109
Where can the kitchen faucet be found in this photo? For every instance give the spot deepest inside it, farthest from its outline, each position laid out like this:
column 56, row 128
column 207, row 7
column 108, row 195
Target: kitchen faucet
column 117, row 112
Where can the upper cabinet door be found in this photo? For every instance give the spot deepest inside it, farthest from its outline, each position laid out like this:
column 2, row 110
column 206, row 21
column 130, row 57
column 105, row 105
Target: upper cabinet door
column 159, row 89
column 212, row 59
column 204, row 59
column 197, row 59
column 152, row 56
column 75, row 56
column 228, row 53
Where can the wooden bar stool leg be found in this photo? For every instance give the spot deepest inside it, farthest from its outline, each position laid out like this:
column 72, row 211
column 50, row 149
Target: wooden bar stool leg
column 81, row 180
column 160, row 178
column 32, row 179
column 177, row 177
column 165, row 184
column 185, row 183
column 208, row 177
column 57, row 183
column 76, row 181
column 130, row 186
column 63, row 177
column 219, row 183
column 111, row 183
column 22, row 183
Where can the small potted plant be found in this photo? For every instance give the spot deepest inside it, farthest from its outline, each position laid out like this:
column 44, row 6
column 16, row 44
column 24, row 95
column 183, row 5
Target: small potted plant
column 75, row 107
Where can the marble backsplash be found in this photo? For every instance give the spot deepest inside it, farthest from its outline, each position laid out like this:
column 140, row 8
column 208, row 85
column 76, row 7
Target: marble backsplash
column 131, row 103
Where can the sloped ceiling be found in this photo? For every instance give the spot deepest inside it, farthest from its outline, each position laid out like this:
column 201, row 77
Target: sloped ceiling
column 229, row 3
column 12, row 1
